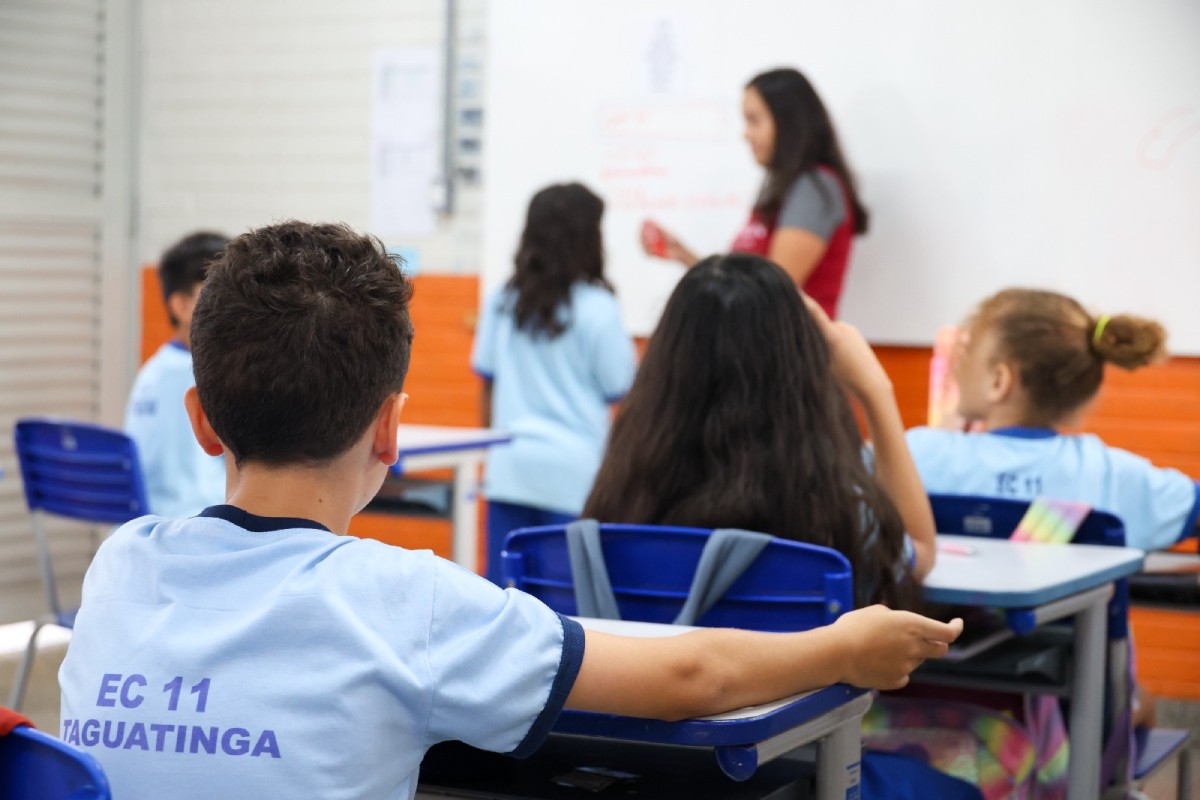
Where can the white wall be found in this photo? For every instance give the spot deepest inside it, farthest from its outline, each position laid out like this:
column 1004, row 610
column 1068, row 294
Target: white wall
column 257, row 111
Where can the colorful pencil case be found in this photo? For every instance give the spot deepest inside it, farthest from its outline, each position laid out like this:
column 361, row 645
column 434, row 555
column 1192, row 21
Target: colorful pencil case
column 1051, row 521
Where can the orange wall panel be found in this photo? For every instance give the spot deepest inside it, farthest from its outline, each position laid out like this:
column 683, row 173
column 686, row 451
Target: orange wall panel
column 1167, row 644
column 908, row 368
column 1154, row 412
column 413, row 533
column 442, row 389
column 156, row 328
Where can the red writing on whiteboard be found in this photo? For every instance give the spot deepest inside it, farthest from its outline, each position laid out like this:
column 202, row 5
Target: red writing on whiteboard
column 640, row 199
column 1168, row 136
column 677, row 122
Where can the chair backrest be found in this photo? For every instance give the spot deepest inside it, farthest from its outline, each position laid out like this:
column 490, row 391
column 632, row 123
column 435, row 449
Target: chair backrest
column 36, row 766
column 996, row 518
column 790, row 586
column 79, row 470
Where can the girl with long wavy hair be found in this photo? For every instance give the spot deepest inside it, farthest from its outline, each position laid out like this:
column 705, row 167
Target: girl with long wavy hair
column 739, row 418
column 553, row 354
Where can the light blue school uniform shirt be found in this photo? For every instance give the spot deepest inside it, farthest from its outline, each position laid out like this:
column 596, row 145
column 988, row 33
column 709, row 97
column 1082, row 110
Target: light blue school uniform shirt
column 552, row 396
column 180, row 478
column 1158, row 506
column 231, row 655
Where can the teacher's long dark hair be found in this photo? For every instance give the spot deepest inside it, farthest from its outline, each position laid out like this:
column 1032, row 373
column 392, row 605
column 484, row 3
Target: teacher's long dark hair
column 735, row 420
column 561, row 245
column 804, row 138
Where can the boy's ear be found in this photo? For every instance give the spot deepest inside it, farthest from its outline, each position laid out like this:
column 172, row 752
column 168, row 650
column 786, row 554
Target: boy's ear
column 387, row 423
column 203, row 432
column 177, row 305
column 1003, row 380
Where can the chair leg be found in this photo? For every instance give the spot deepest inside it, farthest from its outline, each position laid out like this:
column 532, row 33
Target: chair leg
column 18, row 690
column 1183, row 789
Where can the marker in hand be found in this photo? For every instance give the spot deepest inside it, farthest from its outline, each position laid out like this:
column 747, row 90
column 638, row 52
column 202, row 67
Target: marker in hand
column 653, row 240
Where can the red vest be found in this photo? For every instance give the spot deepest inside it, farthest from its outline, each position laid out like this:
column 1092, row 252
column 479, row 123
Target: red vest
column 824, row 284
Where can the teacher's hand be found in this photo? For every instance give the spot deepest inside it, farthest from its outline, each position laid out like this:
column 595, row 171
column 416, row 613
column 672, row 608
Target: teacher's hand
column 661, row 243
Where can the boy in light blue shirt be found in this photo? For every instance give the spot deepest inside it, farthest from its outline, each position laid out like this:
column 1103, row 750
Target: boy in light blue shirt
column 181, row 479
column 254, row 651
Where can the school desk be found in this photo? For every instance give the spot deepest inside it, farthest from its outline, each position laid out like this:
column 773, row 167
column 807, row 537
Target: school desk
column 1035, row 584
column 747, row 738
column 461, row 450
column 578, row 768
column 744, row 743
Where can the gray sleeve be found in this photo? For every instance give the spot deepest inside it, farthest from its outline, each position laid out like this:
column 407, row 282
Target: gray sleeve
column 814, row 204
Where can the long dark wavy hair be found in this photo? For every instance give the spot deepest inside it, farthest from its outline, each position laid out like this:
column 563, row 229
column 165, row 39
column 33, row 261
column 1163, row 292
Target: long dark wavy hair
column 735, row 420
column 804, row 139
column 561, row 245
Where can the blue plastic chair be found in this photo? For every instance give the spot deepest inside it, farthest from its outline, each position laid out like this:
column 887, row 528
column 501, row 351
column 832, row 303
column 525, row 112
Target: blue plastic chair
column 36, row 766
column 998, row 518
column 792, row 586
column 1156, row 746
column 80, row 471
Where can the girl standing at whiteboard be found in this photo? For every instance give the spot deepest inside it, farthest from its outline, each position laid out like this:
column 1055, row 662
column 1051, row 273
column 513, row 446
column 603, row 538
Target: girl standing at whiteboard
column 808, row 210
column 1027, row 365
column 553, row 354
column 738, row 418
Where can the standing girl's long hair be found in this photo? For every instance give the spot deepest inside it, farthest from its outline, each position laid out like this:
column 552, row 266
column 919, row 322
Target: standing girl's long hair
column 804, row 138
column 561, row 245
column 735, row 420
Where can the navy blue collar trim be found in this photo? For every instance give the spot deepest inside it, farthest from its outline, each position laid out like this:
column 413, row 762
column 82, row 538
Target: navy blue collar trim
column 178, row 345
column 1019, row 432
column 257, row 524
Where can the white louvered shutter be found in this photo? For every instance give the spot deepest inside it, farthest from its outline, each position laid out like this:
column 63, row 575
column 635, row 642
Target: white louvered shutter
column 53, row 216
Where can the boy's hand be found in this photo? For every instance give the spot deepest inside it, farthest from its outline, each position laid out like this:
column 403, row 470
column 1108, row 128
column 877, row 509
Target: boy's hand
column 851, row 358
column 884, row 646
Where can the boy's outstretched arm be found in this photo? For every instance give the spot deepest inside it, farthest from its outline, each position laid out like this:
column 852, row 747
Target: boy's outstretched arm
column 718, row 669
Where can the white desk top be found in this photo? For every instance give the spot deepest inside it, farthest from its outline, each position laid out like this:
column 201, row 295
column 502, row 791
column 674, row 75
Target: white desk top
column 421, row 439
column 1172, row 563
column 1006, row 574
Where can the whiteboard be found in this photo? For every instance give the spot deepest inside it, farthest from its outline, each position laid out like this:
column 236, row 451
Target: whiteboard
column 996, row 142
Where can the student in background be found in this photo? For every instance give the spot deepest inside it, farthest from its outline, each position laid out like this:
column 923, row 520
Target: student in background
column 808, row 209
column 222, row 655
column 1029, row 363
column 738, row 418
column 553, row 354
column 181, row 479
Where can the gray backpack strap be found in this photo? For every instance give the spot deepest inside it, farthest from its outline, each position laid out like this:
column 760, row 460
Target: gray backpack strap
column 593, row 591
column 727, row 554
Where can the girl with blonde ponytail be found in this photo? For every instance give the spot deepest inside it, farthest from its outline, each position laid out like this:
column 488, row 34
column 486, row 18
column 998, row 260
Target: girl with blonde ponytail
column 1028, row 363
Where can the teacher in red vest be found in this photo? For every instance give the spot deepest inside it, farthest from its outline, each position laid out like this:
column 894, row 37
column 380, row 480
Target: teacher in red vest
column 808, row 210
